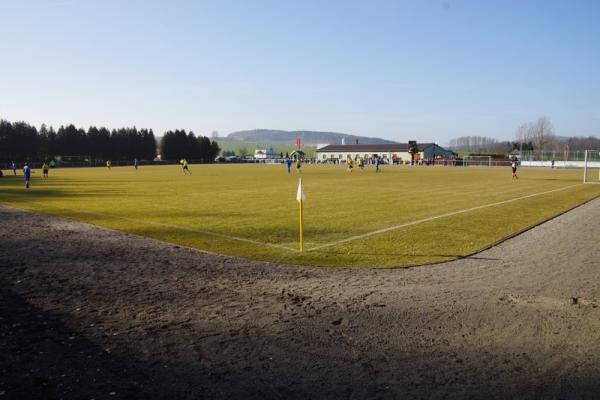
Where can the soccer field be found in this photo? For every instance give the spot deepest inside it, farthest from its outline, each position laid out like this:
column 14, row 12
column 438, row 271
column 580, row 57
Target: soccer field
column 401, row 216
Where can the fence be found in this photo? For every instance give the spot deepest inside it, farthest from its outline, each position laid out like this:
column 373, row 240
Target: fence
column 552, row 155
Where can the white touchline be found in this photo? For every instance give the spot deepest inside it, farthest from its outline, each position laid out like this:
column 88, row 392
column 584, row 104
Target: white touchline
column 283, row 247
column 393, row 228
column 183, row 228
column 221, row 235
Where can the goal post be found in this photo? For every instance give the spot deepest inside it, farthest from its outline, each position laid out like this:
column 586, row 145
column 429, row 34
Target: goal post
column 591, row 166
column 477, row 161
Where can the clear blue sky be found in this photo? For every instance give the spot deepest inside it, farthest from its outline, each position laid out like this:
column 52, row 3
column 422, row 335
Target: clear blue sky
column 424, row 70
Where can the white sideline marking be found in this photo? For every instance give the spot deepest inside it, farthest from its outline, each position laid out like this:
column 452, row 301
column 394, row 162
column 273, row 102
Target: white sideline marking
column 221, row 235
column 393, row 228
column 284, row 247
column 183, row 228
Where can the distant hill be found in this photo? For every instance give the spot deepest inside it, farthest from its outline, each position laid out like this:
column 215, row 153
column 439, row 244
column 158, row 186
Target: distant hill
column 308, row 137
column 562, row 139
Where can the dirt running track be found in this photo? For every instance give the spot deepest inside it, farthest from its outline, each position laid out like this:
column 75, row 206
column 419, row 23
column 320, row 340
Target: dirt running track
column 92, row 313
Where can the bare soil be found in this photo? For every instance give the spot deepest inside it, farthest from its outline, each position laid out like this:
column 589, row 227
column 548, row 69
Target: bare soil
column 87, row 312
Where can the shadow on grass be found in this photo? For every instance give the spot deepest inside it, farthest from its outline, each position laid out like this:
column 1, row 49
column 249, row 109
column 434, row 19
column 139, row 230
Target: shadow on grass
column 41, row 192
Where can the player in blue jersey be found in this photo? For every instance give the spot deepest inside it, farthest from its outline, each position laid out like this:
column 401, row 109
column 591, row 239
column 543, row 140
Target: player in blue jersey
column 377, row 162
column 27, row 174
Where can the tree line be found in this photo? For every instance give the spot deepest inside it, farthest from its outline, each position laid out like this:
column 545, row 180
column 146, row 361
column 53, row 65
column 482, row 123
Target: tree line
column 537, row 136
column 487, row 145
column 478, row 144
column 21, row 141
column 180, row 144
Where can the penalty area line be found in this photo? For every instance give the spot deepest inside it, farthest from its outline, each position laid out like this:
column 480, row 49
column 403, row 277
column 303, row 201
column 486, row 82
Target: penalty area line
column 450, row 214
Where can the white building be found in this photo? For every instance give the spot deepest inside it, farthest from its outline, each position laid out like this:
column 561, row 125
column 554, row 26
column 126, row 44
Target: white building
column 393, row 152
column 266, row 154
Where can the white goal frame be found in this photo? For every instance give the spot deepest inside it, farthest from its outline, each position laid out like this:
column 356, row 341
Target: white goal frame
column 588, row 164
column 480, row 161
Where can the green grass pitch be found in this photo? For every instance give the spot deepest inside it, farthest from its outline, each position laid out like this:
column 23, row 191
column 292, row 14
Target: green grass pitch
column 250, row 210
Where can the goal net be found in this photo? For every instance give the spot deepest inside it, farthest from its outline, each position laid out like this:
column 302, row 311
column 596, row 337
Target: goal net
column 477, row 161
column 591, row 166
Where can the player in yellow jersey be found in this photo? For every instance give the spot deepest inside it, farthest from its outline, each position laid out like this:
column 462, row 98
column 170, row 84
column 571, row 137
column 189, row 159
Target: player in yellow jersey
column 350, row 163
column 184, row 166
column 298, row 165
column 108, row 164
column 45, row 170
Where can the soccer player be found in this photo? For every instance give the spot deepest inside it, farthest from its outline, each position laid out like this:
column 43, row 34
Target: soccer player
column 45, row 170
column 27, row 174
column 184, row 165
column 298, row 165
column 377, row 162
column 361, row 164
column 108, row 164
column 135, row 163
column 13, row 165
column 288, row 162
column 350, row 164
column 513, row 165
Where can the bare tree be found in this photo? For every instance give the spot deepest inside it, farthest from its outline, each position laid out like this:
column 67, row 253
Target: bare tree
column 480, row 144
column 539, row 132
column 542, row 134
column 215, row 135
column 524, row 133
column 583, row 143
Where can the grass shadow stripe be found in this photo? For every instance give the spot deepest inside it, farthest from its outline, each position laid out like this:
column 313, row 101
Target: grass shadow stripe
column 182, row 228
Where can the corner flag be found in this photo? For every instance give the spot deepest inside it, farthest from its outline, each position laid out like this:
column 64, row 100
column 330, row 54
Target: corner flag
column 300, row 194
column 300, row 198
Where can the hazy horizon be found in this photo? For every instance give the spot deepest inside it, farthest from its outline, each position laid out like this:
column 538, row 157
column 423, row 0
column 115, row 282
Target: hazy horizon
column 429, row 71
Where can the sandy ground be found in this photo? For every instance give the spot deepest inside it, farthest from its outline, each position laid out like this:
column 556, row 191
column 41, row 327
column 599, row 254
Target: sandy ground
column 88, row 313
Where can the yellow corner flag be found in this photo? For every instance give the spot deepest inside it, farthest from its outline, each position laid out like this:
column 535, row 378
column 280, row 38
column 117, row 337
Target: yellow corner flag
column 300, row 198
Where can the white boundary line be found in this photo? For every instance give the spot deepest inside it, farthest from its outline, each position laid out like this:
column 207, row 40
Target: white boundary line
column 183, row 228
column 283, row 247
column 396, row 227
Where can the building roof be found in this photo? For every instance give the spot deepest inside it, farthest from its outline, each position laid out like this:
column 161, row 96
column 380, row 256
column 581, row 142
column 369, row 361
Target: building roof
column 374, row 148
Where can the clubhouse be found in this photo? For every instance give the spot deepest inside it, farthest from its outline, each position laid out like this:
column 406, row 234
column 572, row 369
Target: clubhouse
column 393, row 152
